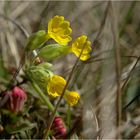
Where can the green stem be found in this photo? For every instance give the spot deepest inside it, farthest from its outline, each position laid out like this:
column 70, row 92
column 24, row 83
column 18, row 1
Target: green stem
column 69, row 117
column 43, row 97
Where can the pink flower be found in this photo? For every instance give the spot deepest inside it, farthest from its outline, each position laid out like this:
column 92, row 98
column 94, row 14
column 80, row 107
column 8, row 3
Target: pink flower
column 58, row 128
column 16, row 99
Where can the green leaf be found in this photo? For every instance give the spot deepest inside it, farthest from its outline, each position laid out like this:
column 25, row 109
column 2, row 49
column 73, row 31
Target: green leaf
column 22, row 127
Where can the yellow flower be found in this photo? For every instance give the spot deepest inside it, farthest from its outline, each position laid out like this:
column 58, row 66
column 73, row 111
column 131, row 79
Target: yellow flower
column 72, row 97
column 56, row 85
column 82, row 46
column 59, row 29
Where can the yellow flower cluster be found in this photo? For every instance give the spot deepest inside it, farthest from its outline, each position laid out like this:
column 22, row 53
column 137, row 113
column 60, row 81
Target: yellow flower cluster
column 56, row 86
column 59, row 30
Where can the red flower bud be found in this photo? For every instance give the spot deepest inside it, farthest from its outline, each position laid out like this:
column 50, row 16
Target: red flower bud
column 16, row 99
column 58, row 121
column 58, row 128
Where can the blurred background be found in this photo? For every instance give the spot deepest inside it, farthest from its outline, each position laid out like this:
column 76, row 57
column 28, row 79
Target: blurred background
column 109, row 82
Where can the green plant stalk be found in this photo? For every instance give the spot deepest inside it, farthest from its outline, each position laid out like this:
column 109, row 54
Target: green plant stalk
column 43, row 97
column 68, row 117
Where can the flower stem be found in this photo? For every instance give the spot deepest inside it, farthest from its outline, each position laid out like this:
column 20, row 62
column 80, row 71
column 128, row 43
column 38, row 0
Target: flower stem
column 43, row 97
column 69, row 117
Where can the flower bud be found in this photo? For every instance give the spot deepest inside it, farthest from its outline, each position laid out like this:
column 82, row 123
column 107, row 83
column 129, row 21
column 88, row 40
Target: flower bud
column 16, row 99
column 58, row 121
column 40, row 74
column 58, row 128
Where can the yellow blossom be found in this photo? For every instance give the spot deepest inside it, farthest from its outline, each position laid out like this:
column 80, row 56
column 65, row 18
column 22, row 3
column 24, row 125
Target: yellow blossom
column 72, row 97
column 56, row 85
column 82, row 46
column 59, row 29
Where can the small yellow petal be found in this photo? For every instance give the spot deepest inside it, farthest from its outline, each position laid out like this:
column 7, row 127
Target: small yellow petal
column 65, row 24
column 57, row 21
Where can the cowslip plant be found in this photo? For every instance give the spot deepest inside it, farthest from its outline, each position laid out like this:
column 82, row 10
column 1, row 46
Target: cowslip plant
column 58, row 29
column 41, row 75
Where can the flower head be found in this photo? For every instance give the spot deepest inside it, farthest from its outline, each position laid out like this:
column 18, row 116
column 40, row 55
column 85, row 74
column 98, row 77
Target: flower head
column 59, row 29
column 56, row 85
column 72, row 97
column 82, row 47
column 40, row 74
